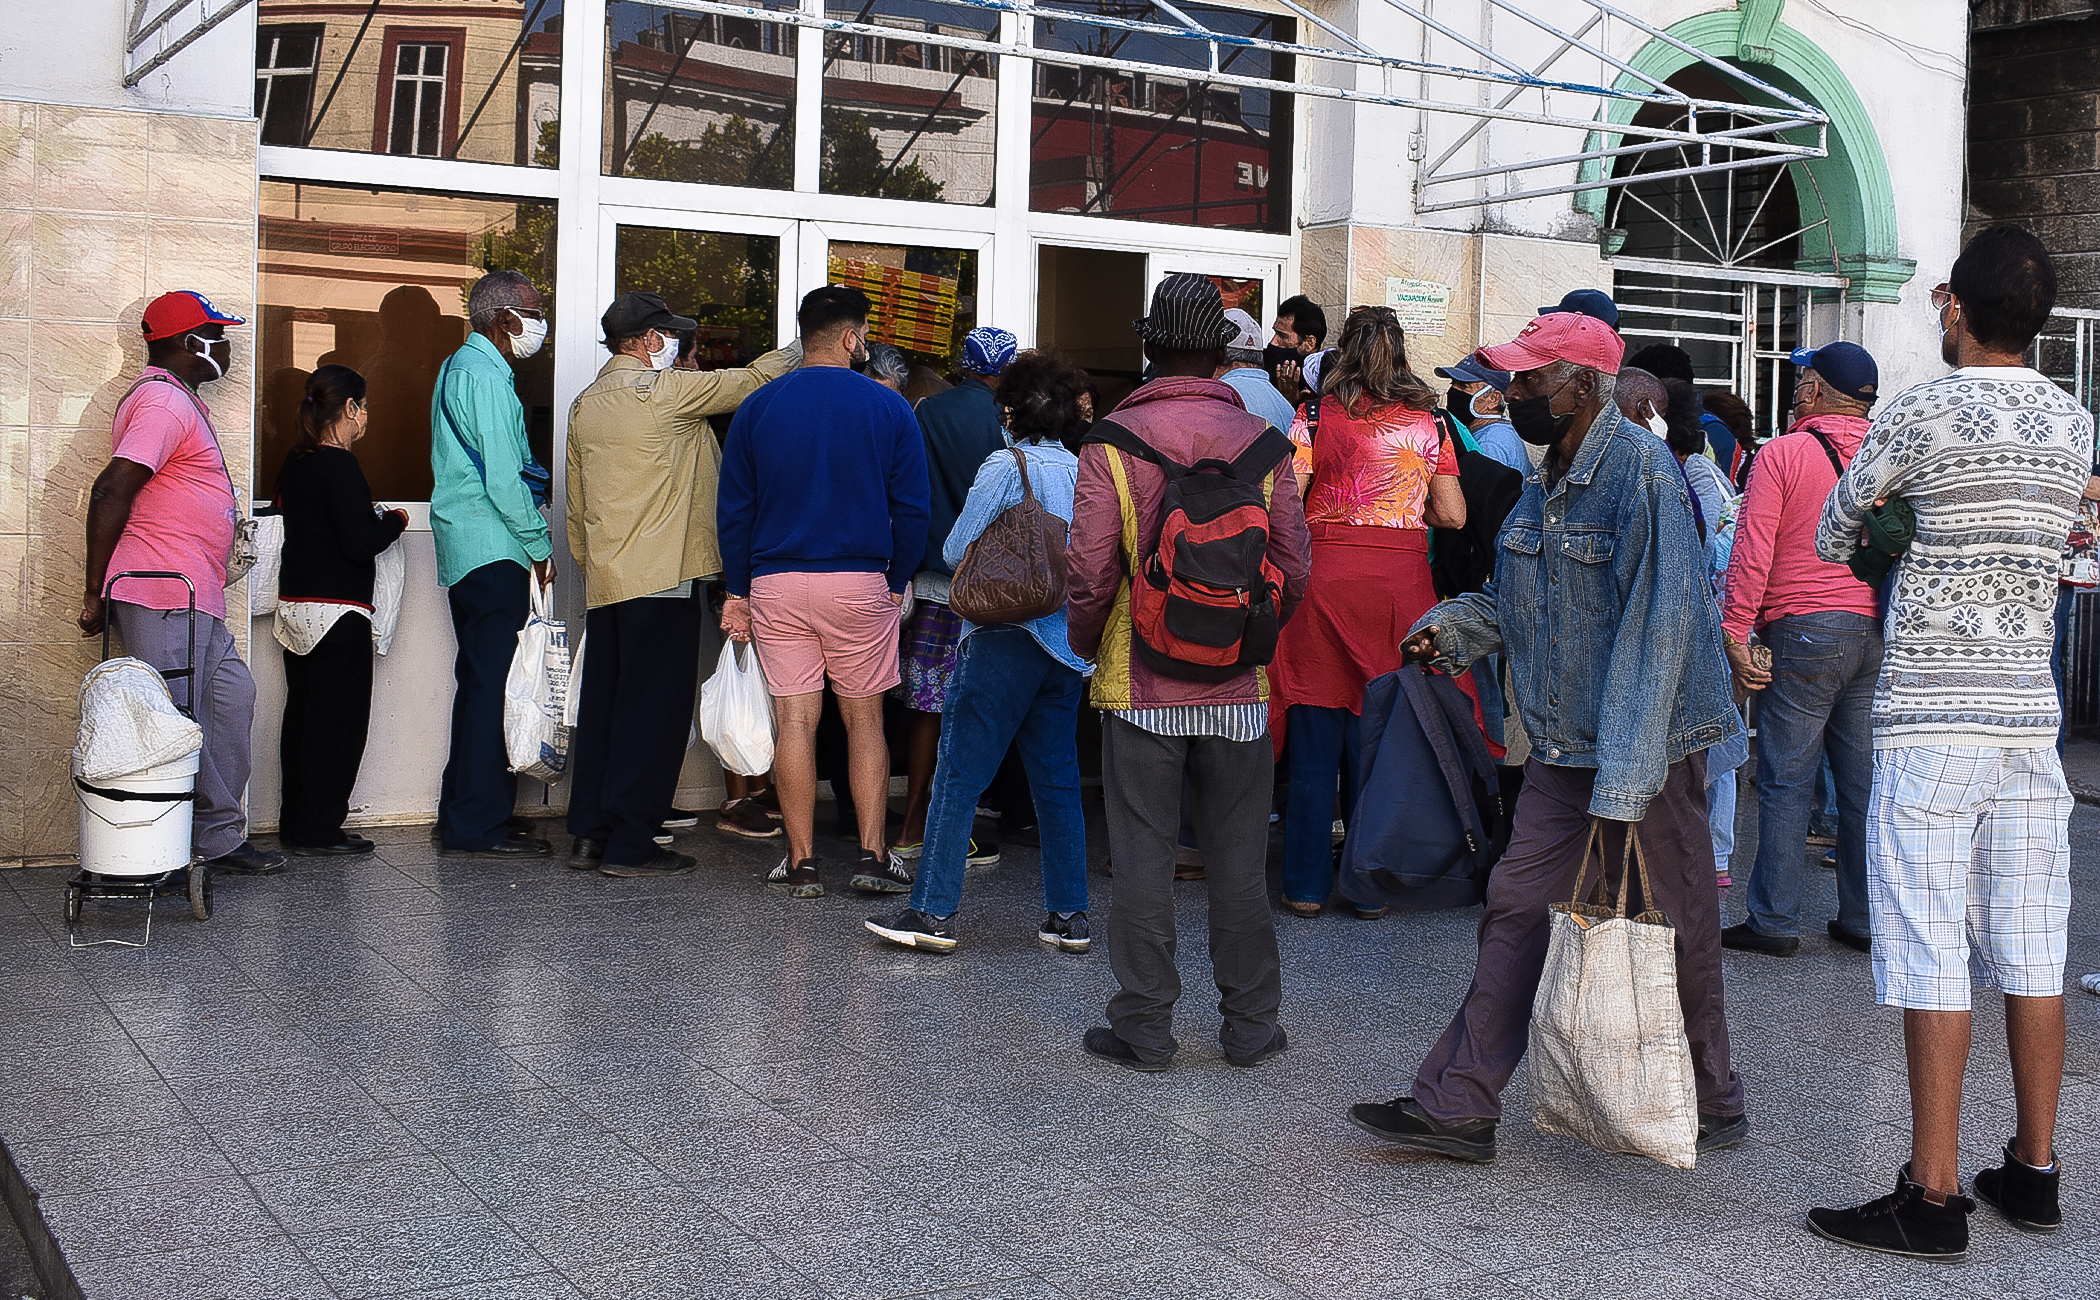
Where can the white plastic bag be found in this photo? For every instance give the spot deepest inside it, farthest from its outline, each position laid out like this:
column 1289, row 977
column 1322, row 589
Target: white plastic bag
column 572, row 708
column 269, row 558
column 389, row 578
column 536, row 693
column 736, row 711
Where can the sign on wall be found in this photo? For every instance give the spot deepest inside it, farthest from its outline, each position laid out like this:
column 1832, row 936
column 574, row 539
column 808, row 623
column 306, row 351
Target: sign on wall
column 1423, row 306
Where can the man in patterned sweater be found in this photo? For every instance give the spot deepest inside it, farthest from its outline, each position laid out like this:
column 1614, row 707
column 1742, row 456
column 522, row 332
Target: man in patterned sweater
column 1968, row 826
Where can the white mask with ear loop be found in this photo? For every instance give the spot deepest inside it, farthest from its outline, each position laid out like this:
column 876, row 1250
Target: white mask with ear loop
column 662, row 358
column 217, row 371
column 1659, row 426
column 525, row 344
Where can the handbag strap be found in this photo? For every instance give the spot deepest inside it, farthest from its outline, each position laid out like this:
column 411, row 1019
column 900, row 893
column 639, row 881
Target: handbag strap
column 1636, row 857
column 1634, row 860
column 1027, row 492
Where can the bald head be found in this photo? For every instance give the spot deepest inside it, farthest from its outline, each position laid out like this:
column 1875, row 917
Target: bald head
column 1640, row 395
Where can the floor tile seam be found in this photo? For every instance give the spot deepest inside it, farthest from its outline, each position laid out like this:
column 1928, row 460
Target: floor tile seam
column 318, row 1234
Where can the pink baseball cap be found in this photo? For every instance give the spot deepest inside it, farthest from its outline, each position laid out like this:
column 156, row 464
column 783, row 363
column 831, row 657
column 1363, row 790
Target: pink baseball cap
column 1560, row 336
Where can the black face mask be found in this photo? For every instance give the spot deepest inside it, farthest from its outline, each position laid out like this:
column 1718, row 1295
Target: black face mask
column 1535, row 422
column 1273, row 356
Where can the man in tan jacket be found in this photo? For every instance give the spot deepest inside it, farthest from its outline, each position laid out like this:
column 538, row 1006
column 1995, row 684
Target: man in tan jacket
column 643, row 464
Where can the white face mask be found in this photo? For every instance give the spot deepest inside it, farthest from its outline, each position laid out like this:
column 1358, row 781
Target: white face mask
column 525, row 344
column 1659, row 427
column 662, row 358
column 217, row 371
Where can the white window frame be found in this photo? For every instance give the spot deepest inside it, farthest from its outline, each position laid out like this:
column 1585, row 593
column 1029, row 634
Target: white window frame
column 275, row 72
column 425, row 84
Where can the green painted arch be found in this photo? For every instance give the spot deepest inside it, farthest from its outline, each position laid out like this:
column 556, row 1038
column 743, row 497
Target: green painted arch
column 1853, row 179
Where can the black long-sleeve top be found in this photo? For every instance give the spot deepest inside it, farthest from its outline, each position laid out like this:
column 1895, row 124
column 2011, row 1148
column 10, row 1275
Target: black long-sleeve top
column 330, row 531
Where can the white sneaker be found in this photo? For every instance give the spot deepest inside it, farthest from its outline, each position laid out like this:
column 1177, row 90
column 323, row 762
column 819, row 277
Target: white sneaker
column 2091, row 983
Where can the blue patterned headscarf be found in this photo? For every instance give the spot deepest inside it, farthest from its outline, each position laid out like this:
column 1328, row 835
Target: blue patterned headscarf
column 988, row 350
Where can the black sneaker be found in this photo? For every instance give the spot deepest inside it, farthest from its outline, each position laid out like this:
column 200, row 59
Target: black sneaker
column 2025, row 1195
column 1403, row 1122
column 1102, row 1041
column 586, row 855
column 796, row 880
column 349, row 846
column 981, row 855
column 681, row 819
column 1067, row 933
column 1274, row 1047
column 1747, row 938
column 915, row 929
column 665, row 863
column 1856, row 942
column 880, row 873
column 247, row 860
column 1720, row 1132
column 747, row 818
column 1901, row 1223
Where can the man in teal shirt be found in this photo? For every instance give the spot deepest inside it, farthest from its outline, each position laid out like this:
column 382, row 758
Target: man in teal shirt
column 485, row 500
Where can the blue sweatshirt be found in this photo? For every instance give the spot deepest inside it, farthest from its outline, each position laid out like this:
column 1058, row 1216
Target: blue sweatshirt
column 823, row 471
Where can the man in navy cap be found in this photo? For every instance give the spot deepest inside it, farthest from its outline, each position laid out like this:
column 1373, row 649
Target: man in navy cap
column 1823, row 628
column 1587, row 302
column 1476, row 399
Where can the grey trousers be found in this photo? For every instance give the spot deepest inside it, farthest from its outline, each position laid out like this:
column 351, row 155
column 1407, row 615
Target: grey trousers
column 225, row 710
column 1229, row 784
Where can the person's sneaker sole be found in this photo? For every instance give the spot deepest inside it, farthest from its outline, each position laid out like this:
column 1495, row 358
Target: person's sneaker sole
column 1732, row 1134
column 644, row 870
column 731, row 828
column 1956, row 1257
column 878, row 885
column 1473, row 1153
column 913, row 938
column 1061, row 943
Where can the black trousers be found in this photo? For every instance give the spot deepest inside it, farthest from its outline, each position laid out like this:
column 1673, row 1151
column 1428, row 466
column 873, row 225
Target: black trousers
column 640, row 669
column 480, row 791
column 327, row 710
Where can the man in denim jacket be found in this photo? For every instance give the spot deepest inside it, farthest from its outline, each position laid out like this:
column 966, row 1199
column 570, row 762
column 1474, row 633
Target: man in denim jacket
column 1600, row 601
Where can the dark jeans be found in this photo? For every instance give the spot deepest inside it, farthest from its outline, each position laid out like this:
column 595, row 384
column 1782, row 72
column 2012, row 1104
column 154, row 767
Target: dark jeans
column 1323, row 746
column 327, row 713
column 480, row 791
column 1229, row 787
column 1820, row 701
column 1006, row 691
column 1471, row 1064
column 640, row 668
column 2058, row 649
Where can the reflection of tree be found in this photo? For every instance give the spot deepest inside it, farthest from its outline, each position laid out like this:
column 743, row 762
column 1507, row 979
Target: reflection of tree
column 853, row 163
column 528, row 246
column 724, row 281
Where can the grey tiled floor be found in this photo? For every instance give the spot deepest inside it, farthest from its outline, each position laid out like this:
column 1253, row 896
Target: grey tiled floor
column 415, row 1076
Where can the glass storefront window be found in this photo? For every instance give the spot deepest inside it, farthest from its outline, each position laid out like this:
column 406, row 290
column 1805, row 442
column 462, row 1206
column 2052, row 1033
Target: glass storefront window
column 479, row 82
column 729, row 283
column 925, row 298
column 905, row 118
column 377, row 280
column 1156, row 148
column 699, row 97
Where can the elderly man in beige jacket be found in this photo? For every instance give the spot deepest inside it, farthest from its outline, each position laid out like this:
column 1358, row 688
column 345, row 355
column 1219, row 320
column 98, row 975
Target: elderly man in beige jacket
column 643, row 464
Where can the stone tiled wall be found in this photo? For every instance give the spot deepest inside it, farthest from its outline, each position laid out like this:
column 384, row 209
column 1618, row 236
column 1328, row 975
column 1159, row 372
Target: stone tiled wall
column 2034, row 150
column 99, row 212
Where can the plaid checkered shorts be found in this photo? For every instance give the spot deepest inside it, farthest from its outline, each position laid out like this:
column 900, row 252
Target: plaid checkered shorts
column 1968, row 847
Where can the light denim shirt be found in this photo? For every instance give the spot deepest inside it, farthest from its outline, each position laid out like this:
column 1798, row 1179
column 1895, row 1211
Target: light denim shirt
column 479, row 517
column 1500, row 441
column 1260, row 396
column 1602, row 601
column 1053, row 473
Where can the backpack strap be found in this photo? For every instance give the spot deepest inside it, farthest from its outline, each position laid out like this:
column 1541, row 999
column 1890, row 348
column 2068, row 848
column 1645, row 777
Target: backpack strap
column 1126, row 505
column 1110, row 434
column 1829, row 451
column 1262, row 455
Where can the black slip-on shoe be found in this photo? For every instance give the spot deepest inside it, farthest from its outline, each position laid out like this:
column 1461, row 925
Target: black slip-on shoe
column 2025, row 1195
column 912, row 928
column 1103, row 1042
column 247, row 860
column 1403, row 1122
column 1856, row 942
column 665, row 863
column 1065, row 933
column 796, row 879
column 1901, row 1223
column 880, row 873
column 504, row 848
column 1274, row 1047
column 586, row 854
column 747, row 817
column 1747, row 938
column 349, row 846
column 1720, row 1132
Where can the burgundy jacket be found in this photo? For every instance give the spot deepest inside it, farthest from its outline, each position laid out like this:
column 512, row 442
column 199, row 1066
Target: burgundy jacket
column 1186, row 420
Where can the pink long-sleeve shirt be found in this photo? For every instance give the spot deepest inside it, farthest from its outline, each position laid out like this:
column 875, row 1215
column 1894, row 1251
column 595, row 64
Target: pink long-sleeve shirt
column 1774, row 570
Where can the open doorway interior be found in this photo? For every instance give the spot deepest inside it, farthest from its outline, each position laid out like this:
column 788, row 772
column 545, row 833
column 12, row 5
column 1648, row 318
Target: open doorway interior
column 1085, row 301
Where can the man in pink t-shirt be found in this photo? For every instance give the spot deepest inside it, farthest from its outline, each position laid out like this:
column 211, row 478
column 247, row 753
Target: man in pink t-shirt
column 1824, row 630
column 166, row 503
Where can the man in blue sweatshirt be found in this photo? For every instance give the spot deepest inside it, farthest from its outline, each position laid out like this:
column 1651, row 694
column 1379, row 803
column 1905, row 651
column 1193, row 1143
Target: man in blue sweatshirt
column 822, row 516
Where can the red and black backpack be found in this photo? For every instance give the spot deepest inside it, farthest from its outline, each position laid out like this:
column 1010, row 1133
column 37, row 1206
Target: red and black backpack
column 1202, row 590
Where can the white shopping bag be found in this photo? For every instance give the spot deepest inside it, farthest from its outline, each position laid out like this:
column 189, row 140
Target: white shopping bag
column 269, row 559
column 736, row 711
column 389, row 580
column 536, row 693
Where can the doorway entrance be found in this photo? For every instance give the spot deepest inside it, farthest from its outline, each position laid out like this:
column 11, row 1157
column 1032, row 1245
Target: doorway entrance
column 1085, row 300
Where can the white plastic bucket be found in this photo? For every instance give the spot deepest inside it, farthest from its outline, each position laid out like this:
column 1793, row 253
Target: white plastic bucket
column 139, row 837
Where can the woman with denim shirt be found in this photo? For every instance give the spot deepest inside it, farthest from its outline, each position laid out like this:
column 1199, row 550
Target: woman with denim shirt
column 1014, row 681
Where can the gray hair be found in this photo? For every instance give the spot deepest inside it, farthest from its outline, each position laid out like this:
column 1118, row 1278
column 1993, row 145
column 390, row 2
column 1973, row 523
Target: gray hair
column 494, row 292
column 886, row 365
column 1607, row 385
column 1243, row 356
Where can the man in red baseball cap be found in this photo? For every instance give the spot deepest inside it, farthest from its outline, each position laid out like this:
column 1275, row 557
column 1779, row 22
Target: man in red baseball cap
column 1602, row 605
column 166, row 503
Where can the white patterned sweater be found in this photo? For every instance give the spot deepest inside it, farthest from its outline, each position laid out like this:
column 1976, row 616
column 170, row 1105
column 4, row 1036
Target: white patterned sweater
column 1992, row 459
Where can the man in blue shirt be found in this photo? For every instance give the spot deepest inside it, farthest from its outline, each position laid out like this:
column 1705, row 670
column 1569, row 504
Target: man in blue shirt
column 1243, row 371
column 1476, row 399
column 822, row 515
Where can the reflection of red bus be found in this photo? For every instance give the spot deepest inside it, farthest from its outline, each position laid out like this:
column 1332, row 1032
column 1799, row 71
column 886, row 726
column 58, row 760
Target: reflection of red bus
column 1154, row 165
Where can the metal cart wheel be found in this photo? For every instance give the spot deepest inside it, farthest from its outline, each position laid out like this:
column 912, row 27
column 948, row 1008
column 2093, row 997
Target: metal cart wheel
column 200, row 891
column 74, row 893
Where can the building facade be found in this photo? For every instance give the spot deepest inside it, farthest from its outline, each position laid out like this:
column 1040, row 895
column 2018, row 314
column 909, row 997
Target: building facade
column 340, row 170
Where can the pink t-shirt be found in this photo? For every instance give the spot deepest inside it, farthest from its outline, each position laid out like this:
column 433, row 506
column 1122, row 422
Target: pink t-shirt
column 183, row 520
column 1773, row 570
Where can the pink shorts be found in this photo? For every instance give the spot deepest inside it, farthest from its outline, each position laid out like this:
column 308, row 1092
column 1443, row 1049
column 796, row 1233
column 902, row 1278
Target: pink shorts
column 810, row 626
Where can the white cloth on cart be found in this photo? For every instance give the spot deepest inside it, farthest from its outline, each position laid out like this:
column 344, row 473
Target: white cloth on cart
column 129, row 722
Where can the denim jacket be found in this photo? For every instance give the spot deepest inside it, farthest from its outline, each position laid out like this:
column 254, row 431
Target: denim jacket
column 1602, row 603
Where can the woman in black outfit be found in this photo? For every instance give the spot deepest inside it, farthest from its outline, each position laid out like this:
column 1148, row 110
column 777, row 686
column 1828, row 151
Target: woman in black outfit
column 332, row 531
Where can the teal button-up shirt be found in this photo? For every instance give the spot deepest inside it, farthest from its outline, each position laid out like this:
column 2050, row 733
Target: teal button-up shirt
column 478, row 518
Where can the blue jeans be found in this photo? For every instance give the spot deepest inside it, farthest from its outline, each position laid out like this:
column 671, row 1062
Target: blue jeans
column 1006, row 689
column 1820, row 701
column 1823, row 804
column 2057, row 651
column 1322, row 744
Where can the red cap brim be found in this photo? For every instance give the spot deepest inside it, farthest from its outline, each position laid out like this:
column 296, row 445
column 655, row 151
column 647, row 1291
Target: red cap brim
column 1513, row 357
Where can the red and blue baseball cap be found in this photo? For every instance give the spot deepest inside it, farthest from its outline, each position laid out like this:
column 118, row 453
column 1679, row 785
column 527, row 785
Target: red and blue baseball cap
column 1847, row 367
column 180, row 312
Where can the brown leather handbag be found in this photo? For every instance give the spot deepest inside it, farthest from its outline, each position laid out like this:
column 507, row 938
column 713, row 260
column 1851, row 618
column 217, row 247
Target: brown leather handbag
column 1015, row 570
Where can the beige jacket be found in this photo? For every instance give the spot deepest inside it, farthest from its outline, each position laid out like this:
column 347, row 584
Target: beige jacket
column 643, row 464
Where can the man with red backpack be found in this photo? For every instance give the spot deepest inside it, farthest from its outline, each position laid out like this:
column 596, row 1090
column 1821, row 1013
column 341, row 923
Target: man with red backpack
column 1188, row 552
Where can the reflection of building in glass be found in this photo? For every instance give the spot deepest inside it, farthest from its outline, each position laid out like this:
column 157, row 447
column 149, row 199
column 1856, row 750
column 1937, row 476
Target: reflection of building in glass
column 699, row 98
column 377, row 281
column 925, row 109
column 415, row 79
